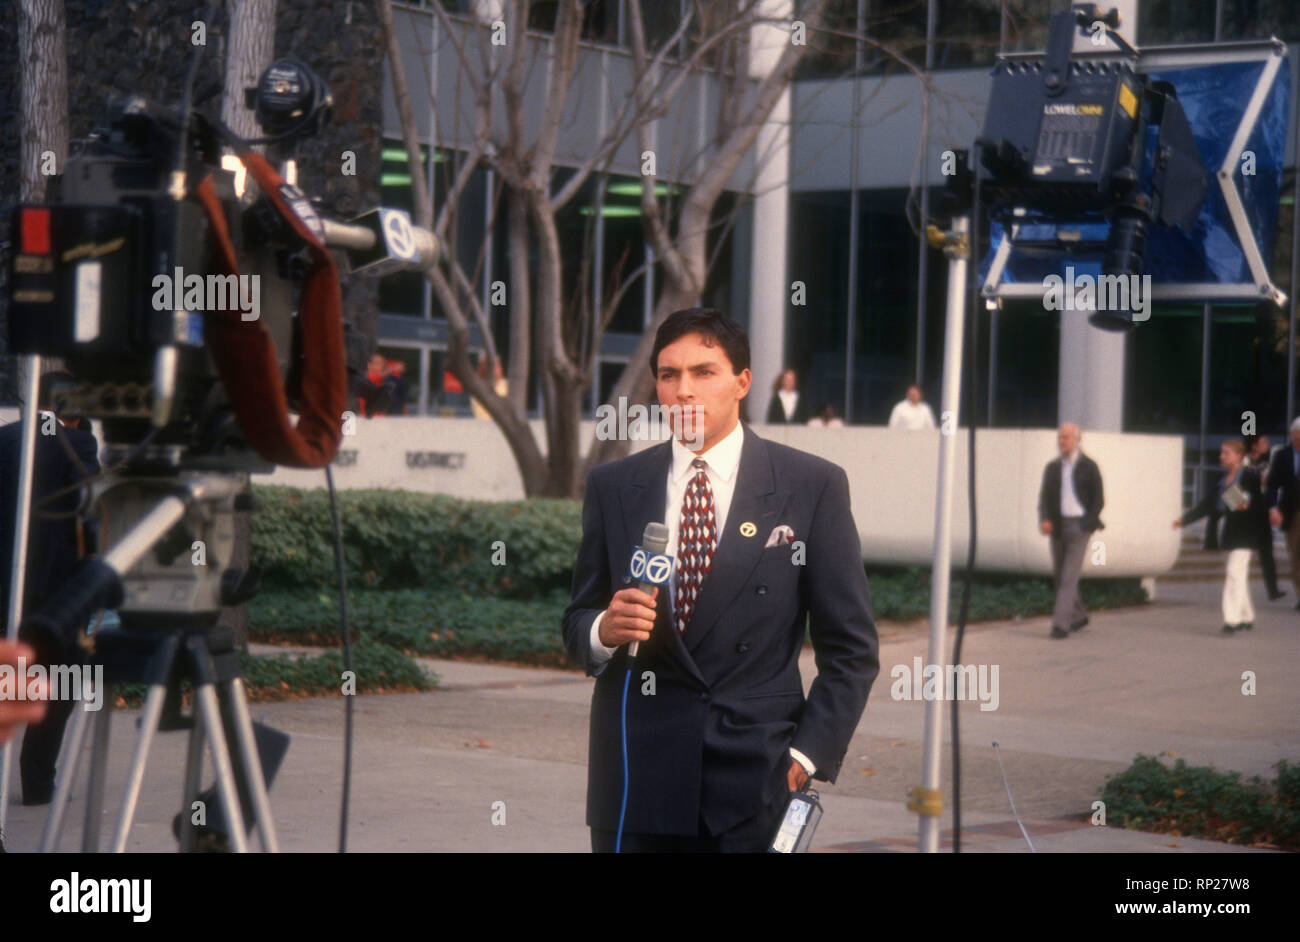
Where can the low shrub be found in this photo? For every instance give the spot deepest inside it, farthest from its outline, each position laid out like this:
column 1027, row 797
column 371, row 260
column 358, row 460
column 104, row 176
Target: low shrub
column 1200, row 801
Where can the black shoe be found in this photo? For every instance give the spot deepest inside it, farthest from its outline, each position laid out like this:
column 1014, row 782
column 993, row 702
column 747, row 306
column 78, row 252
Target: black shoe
column 1297, row 606
column 1059, row 633
column 1228, row 629
column 38, row 796
column 206, row 840
column 1274, row 596
column 1246, row 626
column 1079, row 624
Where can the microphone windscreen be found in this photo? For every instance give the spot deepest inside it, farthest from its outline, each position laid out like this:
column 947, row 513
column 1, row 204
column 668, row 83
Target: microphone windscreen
column 655, row 539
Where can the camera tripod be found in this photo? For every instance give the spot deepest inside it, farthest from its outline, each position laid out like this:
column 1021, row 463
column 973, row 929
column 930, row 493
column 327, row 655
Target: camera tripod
column 207, row 657
column 170, row 605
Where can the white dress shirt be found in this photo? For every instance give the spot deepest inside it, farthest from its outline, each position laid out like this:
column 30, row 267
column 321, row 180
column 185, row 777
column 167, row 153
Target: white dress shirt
column 722, row 462
column 911, row 417
column 1070, row 505
column 789, row 402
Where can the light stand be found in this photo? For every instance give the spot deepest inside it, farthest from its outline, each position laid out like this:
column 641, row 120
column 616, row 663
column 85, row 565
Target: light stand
column 927, row 799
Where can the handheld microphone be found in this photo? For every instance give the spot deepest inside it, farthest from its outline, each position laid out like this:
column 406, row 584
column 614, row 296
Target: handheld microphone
column 650, row 566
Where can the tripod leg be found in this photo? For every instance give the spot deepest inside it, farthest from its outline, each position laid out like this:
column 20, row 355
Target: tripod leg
column 251, row 764
column 74, row 744
column 205, row 702
column 95, row 786
column 209, row 710
column 193, row 767
column 153, row 705
column 160, row 671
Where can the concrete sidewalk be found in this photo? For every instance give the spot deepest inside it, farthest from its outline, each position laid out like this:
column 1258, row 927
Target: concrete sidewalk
column 431, row 769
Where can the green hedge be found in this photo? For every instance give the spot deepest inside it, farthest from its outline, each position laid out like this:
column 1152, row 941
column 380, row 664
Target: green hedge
column 418, row 622
column 904, row 594
column 448, row 624
column 439, row 545
column 1199, row 801
column 378, row 668
column 402, row 540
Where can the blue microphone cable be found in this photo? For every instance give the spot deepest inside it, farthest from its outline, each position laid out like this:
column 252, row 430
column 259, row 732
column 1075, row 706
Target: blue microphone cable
column 618, row 841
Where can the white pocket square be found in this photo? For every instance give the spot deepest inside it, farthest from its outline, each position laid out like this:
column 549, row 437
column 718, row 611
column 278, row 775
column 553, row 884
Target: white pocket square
column 779, row 535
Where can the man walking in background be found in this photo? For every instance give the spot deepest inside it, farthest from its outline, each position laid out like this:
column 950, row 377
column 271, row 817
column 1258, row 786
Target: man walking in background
column 1257, row 457
column 1283, row 498
column 1069, row 508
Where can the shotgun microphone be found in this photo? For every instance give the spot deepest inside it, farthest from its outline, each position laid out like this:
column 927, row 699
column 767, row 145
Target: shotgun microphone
column 650, row 566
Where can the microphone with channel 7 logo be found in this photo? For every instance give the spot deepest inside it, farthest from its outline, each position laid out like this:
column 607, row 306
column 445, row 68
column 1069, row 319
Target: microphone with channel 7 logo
column 650, row 566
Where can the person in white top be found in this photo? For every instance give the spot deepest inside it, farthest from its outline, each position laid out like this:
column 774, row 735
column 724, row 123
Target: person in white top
column 912, row 413
column 788, row 405
column 826, row 418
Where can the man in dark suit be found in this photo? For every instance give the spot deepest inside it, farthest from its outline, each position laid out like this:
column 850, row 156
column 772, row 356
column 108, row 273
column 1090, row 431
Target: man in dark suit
column 1069, row 507
column 1283, row 498
column 718, row 730
column 66, row 454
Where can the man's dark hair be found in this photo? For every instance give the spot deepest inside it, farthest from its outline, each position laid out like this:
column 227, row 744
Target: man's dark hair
column 713, row 326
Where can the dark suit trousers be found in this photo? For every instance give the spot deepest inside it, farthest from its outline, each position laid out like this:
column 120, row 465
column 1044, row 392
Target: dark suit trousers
column 1293, row 550
column 749, row 837
column 40, row 750
column 1266, row 562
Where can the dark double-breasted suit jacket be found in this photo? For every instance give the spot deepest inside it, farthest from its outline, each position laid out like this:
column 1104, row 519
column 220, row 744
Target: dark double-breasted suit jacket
column 711, row 743
column 1283, row 491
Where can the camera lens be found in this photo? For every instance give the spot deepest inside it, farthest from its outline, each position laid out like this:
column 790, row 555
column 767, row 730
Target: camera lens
column 1126, row 257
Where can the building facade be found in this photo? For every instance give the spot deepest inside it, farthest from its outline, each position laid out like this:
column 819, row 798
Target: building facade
column 863, row 317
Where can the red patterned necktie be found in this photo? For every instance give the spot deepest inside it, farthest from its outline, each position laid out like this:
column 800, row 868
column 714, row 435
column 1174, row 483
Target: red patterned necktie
column 696, row 542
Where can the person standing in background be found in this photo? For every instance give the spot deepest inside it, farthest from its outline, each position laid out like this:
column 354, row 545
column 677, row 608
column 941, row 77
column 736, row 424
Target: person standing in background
column 1069, row 507
column 912, row 413
column 1238, row 500
column 1257, row 457
column 66, row 454
column 372, row 395
column 826, row 418
column 1283, row 499
column 788, row 406
column 395, row 383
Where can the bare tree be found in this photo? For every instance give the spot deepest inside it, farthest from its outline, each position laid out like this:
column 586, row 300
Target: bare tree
column 43, row 128
column 249, row 49
column 250, row 46
column 712, row 37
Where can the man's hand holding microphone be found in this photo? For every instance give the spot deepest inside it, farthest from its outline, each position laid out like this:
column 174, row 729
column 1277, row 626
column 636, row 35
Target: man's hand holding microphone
column 631, row 614
column 629, row 618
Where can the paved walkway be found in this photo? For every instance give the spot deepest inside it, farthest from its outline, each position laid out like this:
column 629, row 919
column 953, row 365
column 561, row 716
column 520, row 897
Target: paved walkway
column 430, row 769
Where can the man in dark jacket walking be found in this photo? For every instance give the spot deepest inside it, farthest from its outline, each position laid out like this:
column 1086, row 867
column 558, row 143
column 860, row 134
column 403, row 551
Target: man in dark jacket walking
column 1283, row 499
column 1069, row 507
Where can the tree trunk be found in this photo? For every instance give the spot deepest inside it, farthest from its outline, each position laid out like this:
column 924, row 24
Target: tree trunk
column 249, row 49
column 43, row 111
column 251, row 45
